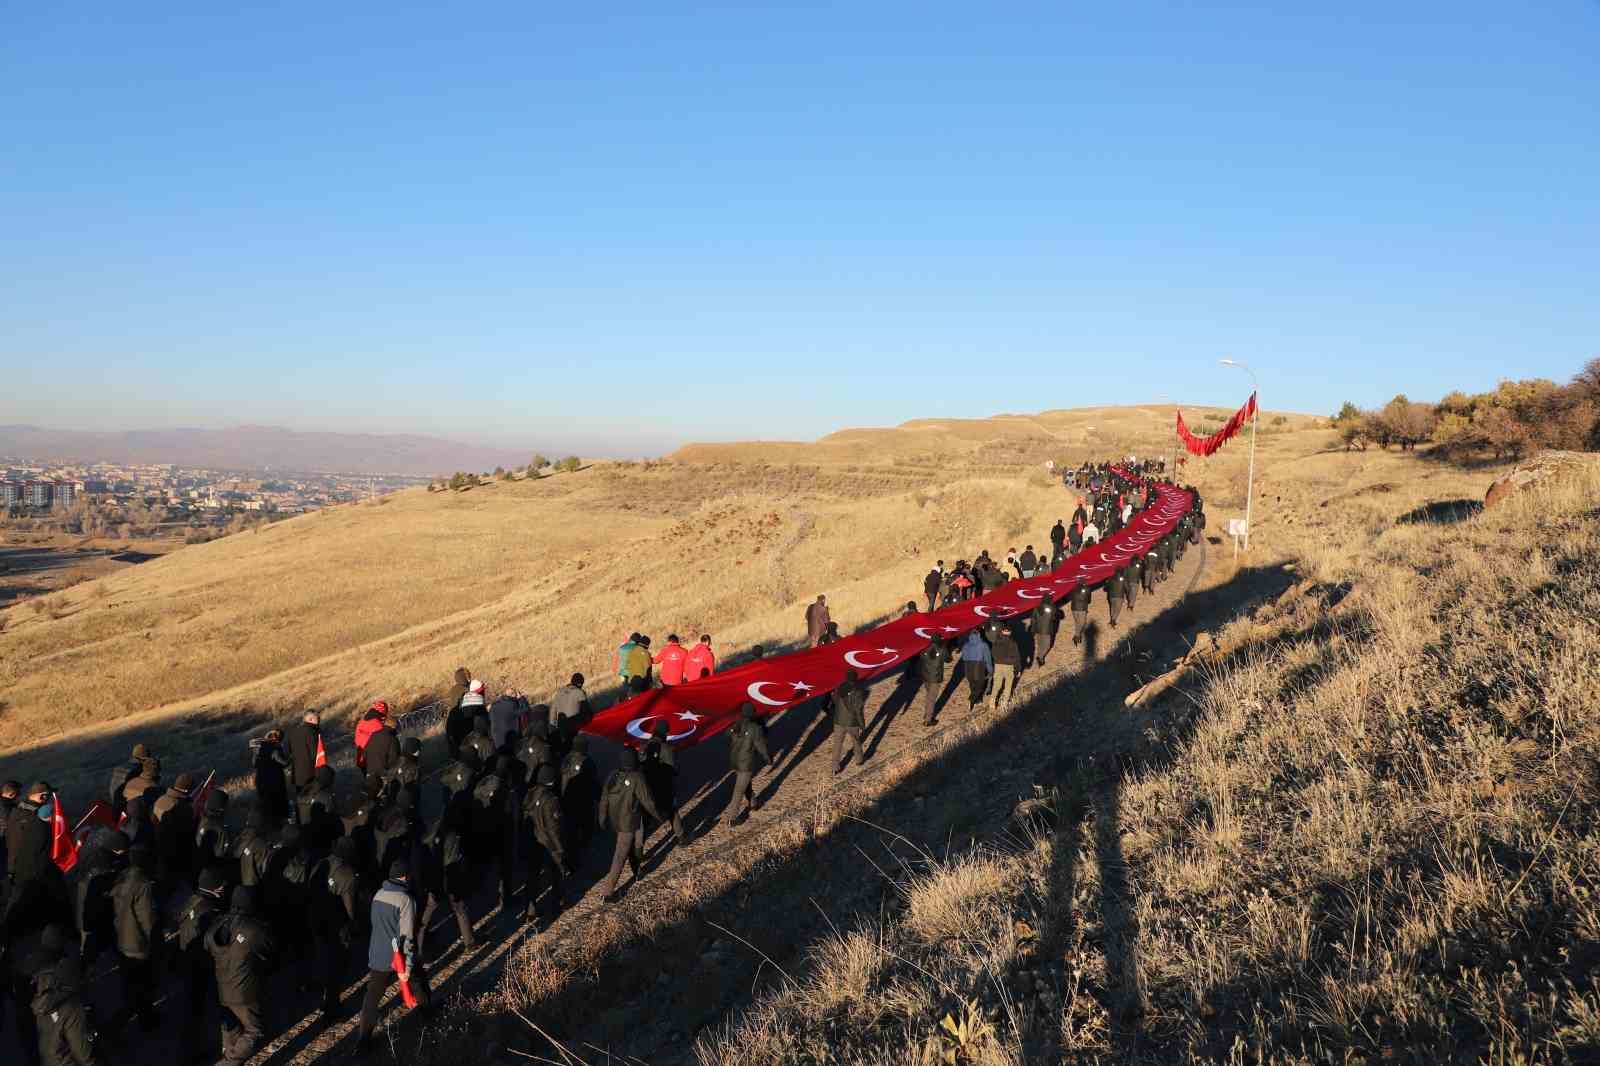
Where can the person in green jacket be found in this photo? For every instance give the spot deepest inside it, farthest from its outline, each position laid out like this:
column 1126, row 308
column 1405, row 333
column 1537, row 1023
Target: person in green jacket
column 747, row 754
column 849, row 718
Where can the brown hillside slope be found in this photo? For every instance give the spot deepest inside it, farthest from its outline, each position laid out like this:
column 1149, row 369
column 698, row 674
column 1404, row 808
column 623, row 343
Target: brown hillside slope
column 1367, row 832
column 526, row 581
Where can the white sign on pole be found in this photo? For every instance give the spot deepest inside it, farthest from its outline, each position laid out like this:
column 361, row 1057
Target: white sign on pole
column 1238, row 527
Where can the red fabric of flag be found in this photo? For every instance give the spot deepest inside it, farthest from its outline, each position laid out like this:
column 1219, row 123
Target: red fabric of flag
column 322, row 754
column 698, row 710
column 63, row 848
column 1210, row 445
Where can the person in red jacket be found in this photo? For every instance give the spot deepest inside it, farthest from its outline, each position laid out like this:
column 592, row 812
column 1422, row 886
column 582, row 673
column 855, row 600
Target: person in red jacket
column 671, row 660
column 370, row 723
column 701, row 662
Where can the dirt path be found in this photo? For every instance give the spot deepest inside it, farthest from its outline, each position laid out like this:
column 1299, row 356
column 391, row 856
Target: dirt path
column 800, row 777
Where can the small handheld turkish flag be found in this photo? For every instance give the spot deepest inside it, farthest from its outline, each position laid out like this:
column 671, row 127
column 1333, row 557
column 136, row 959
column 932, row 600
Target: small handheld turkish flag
column 63, row 848
column 408, row 997
column 322, row 754
column 204, row 794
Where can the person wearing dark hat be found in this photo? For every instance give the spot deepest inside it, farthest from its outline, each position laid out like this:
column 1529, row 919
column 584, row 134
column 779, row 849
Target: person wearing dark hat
column 38, row 891
column 1042, row 625
column 747, row 754
column 137, row 916
column 1080, row 611
column 285, row 893
column 449, row 872
column 243, row 952
column 213, row 843
column 477, row 748
column 541, row 812
column 100, row 862
column 66, row 1035
column 395, row 931
column 175, row 829
column 626, row 795
column 272, row 788
column 407, row 771
column 199, row 977
column 849, row 718
column 930, row 668
column 660, row 766
column 572, row 701
column 338, row 918
column 494, row 823
column 317, row 809
column 253, row 848
column 580, row 792
column 534, row 749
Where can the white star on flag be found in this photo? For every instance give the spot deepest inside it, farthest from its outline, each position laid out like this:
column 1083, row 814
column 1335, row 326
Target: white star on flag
column 886, row 651
column 951, row 629
column 689, row 716
column 800, row 686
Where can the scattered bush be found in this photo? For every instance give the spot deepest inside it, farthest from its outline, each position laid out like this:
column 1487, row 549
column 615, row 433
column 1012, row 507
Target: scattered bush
column 570, row 464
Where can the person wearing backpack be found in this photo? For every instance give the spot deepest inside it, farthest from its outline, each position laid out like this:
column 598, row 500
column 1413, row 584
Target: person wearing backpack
column 1042, row 625
column 97, row 870
column 253, row 848
column 243, row 952
column 213, row 844
column 747, row 754
column 283, row 890
column 541, row 812
column 137, row 917
column 121, row 774
column 65, row 1031
column 930, row 667
column 317, row 808
column 338, row 917
column 580, row 794
column 477, row 749
column 626, row 794
column 175, row 829
column 534, row 749
column 194, row 966
column 492, row 820
column 407, row 771
column 449, row 870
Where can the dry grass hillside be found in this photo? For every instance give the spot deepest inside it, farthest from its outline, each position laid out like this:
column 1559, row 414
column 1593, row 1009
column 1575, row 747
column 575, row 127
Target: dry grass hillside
column 527, row 581
column 1365, row 831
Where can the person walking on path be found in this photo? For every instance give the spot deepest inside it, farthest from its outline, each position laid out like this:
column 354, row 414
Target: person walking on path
column 243, row 953
column 623, row 805
column 1115, row 595
column 701, row 663
column 747, row 754
column 660, row 765
column 817, row 620
column 930, row 665
column 1130, row 583
column 541, row 812
column 623, row 651
column 672, row 659
column 930, row 587
column 1042, row 623
column 849, row 718
column 393, row 939
column 1080, row 611
column 977, row 663
column 637, row 666
column 1007, row 662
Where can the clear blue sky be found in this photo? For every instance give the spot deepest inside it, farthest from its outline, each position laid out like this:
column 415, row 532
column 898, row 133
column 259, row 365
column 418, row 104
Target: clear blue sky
column 646, row 223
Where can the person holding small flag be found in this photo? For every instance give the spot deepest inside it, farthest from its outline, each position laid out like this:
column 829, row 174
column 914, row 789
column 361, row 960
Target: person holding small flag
column 391, row 951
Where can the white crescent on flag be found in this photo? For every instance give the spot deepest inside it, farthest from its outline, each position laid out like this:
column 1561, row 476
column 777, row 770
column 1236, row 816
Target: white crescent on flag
column 853, row 658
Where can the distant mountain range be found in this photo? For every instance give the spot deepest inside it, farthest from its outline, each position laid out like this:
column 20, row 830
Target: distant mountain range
column 260, row 448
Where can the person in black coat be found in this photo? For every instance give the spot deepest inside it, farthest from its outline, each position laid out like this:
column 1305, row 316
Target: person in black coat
column 272, row 788
column 383, row 751
column 66, row 1034
column 660, row 766
column 580, row 794
column 301, row 741
column 38, row 894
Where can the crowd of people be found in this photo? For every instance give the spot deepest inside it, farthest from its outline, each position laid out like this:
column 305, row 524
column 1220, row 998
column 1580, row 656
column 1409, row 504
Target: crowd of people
column 316, row 880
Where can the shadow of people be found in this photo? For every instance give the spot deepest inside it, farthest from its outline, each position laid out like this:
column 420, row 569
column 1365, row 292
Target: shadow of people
column 1441, row 513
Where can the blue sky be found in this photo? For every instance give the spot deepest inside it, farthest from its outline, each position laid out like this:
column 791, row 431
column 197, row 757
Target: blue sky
column 639, row 224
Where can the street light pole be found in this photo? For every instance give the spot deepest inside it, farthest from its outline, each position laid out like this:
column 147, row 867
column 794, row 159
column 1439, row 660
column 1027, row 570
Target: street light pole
column 1255, row 421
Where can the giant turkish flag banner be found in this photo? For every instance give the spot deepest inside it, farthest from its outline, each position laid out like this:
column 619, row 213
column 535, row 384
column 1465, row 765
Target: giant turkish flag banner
column 698, row 710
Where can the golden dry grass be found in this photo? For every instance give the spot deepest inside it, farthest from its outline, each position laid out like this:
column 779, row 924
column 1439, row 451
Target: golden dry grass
column 1369, row 833
column 527, row 581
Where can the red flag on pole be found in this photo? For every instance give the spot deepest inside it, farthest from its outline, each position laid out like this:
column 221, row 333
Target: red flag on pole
column 97, row 814
column 399, row 963
column 63, row 848
column 204, row 794
column 322, row 753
